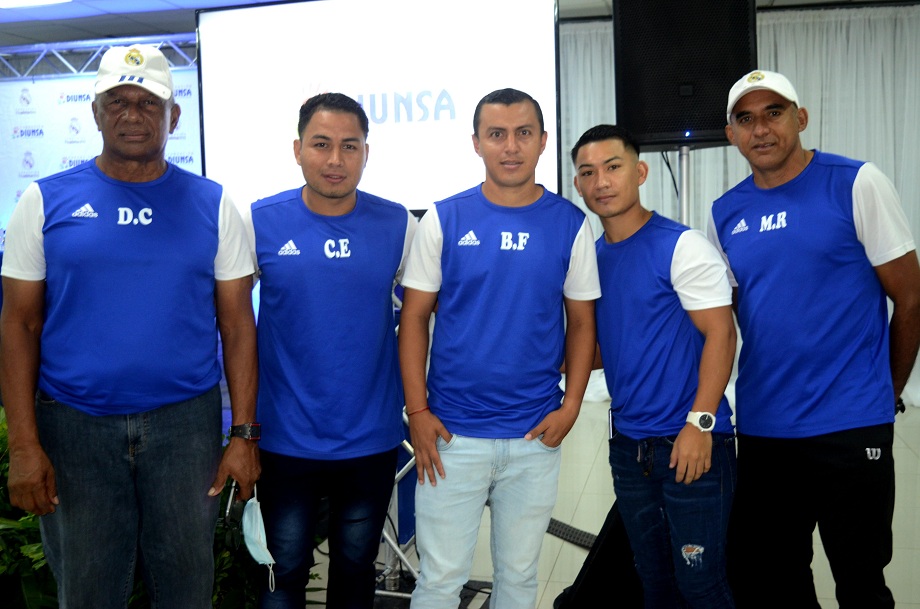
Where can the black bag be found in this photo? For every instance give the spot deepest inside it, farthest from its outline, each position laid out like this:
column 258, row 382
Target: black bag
column 609, row 572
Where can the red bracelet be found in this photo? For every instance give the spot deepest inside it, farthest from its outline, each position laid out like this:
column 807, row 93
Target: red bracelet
column 409, row 414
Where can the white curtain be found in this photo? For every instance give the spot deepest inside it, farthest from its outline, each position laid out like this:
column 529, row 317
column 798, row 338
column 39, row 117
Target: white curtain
column 587, row 91
column 857, row 71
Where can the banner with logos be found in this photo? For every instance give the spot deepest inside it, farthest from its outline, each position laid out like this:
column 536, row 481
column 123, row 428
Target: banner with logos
column 47, row 126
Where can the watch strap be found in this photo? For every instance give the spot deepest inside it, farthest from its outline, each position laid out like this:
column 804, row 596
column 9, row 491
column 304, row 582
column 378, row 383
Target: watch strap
column 247, row 431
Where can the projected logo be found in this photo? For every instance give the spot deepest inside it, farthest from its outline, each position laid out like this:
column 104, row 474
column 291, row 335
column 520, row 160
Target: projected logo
column 74, row 132
column 74, row 98
column 27, row 167
column 182, row 93
column 181, row 159
column 25, row 103
column 28, row 132
column 68, row 162
column 408, row 107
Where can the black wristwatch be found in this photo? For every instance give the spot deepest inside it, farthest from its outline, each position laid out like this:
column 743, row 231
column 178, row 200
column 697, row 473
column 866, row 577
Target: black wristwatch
column 247, row 431
column 702, row 420
column 899, row 406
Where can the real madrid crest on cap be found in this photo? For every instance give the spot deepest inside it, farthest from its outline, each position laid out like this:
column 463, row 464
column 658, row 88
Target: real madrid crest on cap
column 134, row 57
column 759, row 80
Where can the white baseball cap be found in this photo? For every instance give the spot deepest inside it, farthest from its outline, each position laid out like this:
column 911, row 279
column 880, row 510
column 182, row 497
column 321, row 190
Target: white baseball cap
column 760, row 80
column 140, row 65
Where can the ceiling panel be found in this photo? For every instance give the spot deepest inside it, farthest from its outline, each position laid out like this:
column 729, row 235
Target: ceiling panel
column 99, row 19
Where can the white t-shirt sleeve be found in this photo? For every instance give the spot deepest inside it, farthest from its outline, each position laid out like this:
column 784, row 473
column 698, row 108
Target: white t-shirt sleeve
column 881, row 225
column 713, row 237
column 235, row 250
column 423, row 265
column 24, row 252
column 698, row 273
column 411, row 228
column 246, row 216
column 581, row 280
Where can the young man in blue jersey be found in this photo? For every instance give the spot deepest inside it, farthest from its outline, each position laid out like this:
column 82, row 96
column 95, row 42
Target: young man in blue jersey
column 816, row 245
column 512, row 270
column 113, row 275
column 330, row 394
column 666, row 338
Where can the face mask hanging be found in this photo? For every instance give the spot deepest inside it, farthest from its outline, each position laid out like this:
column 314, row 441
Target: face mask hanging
column 254, row 536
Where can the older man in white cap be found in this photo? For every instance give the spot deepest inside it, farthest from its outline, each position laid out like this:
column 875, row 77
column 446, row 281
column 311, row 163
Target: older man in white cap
column 113, row 276
column 816, row 244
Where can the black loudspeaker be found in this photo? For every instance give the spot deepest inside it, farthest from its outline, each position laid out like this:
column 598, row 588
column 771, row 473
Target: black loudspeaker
column 675, row 62
column 608, row 572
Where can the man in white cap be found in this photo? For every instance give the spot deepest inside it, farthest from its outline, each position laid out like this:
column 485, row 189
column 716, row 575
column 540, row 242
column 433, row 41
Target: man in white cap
column 113, row 276
column 816, row 244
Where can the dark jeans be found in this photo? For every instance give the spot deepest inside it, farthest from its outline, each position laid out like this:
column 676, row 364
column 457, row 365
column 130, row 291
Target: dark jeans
column 134, row 493
column 842, row 482
column 291, row 492
column 677, row 531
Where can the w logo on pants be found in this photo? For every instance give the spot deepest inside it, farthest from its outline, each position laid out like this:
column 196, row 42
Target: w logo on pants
column 873, row 454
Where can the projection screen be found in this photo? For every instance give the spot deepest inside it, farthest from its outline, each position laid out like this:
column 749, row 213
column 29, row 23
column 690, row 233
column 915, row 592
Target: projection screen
column 418, row 67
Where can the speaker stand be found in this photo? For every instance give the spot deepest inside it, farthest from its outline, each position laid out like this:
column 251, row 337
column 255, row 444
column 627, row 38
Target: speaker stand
column 395, row 557
column 684, row 194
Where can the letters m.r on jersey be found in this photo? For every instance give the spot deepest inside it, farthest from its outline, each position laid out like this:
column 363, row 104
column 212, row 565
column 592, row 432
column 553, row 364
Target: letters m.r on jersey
column 767, row 223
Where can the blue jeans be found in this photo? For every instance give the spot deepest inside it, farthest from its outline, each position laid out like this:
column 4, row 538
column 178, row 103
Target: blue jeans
column 677, row 531
column 518, row 478
column 291, row 491
column 134, row 494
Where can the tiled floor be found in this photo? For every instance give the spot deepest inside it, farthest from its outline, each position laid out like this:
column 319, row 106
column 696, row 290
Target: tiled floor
column 586, row 494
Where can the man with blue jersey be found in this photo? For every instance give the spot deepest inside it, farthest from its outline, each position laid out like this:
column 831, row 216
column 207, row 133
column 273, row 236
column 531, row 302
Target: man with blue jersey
column 117, row 276
column 512, row 270
column 816, row 245
column 666, row 338
column 330, row 393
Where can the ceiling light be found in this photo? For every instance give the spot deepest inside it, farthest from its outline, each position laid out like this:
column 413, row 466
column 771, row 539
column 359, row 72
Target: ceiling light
column 25, row 3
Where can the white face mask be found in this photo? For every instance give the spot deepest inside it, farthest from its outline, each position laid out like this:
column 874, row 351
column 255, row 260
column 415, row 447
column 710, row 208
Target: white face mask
column 254, row 535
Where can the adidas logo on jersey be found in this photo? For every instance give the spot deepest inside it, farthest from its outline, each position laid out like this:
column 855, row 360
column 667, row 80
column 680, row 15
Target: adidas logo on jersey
column 86, row 211
column 289, row 249
column 469, row 239
column 740, row 227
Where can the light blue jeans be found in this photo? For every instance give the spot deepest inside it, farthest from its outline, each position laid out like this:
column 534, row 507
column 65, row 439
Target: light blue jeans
column 134, row 494
column 518, row 479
